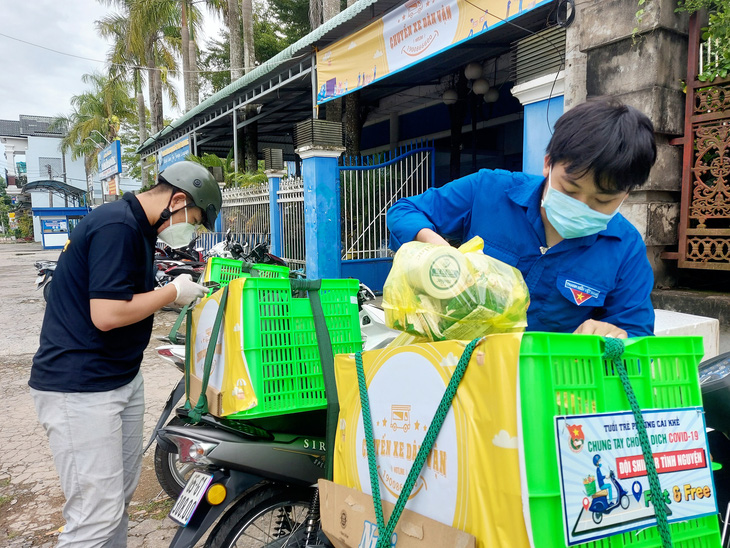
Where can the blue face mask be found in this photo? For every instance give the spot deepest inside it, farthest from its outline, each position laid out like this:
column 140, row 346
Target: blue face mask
column 570, row 217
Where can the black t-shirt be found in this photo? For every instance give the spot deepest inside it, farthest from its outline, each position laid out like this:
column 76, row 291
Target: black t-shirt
column 110, row 255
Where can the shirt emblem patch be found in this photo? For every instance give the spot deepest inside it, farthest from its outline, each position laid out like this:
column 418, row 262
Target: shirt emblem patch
column 581, row 292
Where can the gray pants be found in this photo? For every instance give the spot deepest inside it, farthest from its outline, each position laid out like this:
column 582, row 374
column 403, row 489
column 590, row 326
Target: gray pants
column 96, row 440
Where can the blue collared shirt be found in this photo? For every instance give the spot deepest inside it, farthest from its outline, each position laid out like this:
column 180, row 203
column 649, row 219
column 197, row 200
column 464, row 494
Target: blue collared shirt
column 606, row 276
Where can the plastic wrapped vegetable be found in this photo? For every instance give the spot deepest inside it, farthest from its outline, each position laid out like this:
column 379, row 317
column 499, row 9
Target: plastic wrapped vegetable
column 439, row 292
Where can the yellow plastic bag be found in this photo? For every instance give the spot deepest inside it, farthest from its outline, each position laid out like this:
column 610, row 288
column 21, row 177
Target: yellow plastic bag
column 229, row 386
column 442, row 293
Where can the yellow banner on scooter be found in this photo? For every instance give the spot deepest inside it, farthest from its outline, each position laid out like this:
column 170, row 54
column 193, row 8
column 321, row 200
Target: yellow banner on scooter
column 229, row 385
column 471, row 479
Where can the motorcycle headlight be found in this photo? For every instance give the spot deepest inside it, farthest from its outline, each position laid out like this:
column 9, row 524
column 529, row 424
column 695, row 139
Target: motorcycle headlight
column 191, row 450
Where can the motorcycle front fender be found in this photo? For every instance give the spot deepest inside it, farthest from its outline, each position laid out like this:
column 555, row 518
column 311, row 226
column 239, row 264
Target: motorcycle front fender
column 236, row 484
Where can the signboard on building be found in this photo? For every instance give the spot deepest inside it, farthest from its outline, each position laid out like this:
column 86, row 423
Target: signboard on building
column 54, row 226
column 409, row 34
column 110, row 160
column 174, row 152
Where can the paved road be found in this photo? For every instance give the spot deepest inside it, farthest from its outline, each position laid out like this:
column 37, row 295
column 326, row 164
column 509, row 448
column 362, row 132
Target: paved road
column 30, row 495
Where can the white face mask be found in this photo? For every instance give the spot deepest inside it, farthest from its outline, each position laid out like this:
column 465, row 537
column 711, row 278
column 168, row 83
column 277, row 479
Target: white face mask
column 179, row 235
column 572, row 218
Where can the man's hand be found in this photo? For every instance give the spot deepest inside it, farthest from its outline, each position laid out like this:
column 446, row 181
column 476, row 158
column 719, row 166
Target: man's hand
column 604, row 329
column 428, row 236
column 187, row 289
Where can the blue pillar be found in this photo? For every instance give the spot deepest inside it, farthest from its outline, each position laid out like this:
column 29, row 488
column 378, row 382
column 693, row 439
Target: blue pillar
column 321, row 175
column 543, row 102
column 274, row 177
column 218, row 227
column 537, row 132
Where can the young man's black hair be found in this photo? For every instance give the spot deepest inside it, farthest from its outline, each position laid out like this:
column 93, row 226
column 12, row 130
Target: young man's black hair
column 613, row 141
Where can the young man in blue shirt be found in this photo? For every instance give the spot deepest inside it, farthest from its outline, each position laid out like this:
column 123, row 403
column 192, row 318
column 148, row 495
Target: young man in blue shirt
column 86, row 381
column 584, row 264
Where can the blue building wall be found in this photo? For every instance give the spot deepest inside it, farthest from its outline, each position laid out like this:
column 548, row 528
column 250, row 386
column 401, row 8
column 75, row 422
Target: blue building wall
column 540, row 117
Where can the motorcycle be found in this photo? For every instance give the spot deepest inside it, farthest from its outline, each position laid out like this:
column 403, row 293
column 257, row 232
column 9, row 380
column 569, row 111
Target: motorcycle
column 171, row 263
column 228, row 248
column 167, row 270
column 600, row 504
column 172, row 473
column 262, row 481
column 45, row 276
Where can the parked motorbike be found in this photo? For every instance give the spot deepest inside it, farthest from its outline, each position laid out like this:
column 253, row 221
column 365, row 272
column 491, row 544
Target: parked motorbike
column 265, row 476
column 228, row 248
column 45, row 276
column 257, row 484
column 171, row 472
column 169, row 269
column 171, row 263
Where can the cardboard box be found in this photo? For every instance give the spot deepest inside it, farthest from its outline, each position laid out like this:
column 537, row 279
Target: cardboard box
column 471, row 477
column 348, row 520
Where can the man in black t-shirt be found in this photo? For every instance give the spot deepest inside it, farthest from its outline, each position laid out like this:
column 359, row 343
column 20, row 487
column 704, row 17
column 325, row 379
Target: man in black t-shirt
column 85, row 380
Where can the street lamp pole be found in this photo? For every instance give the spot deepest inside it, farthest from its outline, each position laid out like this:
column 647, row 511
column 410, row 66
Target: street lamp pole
column 102, row 136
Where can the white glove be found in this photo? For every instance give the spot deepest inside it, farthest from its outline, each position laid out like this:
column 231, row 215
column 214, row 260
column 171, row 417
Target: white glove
column 187, row 290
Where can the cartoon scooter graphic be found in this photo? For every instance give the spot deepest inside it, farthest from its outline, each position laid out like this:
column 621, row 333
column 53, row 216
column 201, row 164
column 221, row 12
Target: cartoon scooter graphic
column 600, row 504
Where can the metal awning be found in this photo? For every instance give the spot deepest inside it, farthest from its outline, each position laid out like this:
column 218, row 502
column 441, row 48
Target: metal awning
column 283, row 86
column 54, row 186
column 59, row 188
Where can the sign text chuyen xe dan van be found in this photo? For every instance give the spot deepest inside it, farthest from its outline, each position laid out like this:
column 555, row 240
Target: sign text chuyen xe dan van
column 110, row 160
column 409, row 34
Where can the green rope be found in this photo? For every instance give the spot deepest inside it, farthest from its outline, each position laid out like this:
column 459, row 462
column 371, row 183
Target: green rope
column 178, row 322
column 386, row 531
column 202, row 406
column 327, row 360
column 188, row 356
column 614, row 351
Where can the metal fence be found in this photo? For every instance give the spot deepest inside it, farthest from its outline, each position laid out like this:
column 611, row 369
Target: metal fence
column 290, row 201
column 370, row 185
column 207, row 240
column 246, row 212
column 709, row 55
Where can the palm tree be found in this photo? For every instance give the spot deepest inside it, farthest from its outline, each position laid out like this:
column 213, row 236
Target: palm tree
column 147, row 34
column 233, row 20
column 98, row 110
column 189, row 26
column 116, row 27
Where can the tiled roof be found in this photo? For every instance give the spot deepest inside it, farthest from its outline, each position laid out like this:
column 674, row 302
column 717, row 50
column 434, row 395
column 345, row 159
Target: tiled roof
column 37, row 125
column 9, row 128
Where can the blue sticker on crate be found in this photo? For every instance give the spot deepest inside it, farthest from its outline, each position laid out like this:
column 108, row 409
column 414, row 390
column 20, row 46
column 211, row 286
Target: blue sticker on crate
column 604, row 486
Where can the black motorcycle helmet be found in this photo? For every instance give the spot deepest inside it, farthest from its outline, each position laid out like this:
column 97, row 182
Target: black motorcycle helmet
column 202, row 187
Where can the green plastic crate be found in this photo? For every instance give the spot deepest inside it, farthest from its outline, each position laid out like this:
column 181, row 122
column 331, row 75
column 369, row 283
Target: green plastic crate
column 222, row 270
column 566, row 375
column 281, row 345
